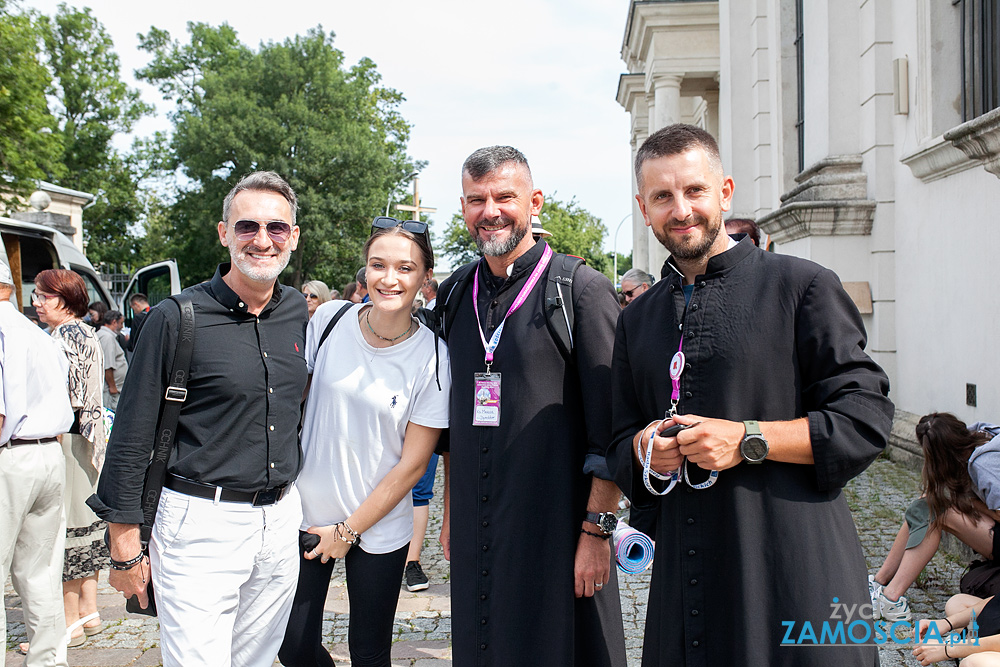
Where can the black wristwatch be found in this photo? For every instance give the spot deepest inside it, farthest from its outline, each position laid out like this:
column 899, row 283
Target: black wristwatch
column 754, row 447
column 605, row 521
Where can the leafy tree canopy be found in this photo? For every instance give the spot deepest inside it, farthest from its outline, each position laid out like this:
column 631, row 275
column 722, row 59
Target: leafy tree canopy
column 332, row 131
column 29, row 149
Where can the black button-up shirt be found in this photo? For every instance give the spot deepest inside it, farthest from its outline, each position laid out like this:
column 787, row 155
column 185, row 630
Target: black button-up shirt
column 238, row 428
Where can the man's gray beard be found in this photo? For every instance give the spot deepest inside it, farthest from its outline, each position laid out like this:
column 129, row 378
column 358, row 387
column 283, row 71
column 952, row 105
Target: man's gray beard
column 496, row 248
column 251, row 271
column 685, row 252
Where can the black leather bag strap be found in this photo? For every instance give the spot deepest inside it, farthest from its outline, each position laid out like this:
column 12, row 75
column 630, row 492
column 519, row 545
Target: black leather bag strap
column 329, row 327
column 166, row 431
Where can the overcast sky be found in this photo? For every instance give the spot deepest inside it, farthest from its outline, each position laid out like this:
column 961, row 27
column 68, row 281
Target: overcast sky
column 540, row 75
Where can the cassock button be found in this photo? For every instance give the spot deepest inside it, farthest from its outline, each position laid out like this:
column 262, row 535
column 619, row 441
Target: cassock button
column 485, row 524
column 482, row 646
column 483, row 596
column 694, row 306
column 690, row 521
column 688, row 394
column 486, row 450
column 486, row 547
column 701, row 283
column 672, row 288
column 694, row 612
column 695, row 643
column 482, row 621
column 485, row 572
column 691, row 552
column 485, row 498
column 485, row 474
column 687, row 367
column 694, row 582
column 240, row 304
column 689, row 490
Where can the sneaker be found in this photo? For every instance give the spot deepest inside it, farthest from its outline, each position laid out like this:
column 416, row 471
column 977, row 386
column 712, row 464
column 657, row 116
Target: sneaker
column 416, row 580
column 874, row 591
column 894, row 611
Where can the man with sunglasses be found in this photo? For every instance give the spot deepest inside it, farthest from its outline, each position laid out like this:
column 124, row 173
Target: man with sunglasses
column 223, row 554
column 743, row 402
column 528, row 514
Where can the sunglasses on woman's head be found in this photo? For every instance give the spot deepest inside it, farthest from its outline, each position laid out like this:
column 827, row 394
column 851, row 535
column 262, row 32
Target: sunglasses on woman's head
column 385, row 222
column 278, row 230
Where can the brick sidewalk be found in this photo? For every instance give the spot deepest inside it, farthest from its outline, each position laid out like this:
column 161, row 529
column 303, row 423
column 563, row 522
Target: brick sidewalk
column 423, row 620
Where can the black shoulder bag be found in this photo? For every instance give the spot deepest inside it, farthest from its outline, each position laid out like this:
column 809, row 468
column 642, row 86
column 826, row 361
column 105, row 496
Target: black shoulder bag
column 166, row 433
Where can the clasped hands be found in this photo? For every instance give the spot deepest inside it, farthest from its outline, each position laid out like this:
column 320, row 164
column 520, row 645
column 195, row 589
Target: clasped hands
column 711, row 444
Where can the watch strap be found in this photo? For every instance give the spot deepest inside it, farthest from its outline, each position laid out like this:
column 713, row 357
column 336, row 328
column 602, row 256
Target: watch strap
column 752, row 427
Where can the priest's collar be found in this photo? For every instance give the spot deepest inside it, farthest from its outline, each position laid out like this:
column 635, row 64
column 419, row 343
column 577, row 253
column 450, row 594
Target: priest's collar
column 733, row 255
column 522, row 265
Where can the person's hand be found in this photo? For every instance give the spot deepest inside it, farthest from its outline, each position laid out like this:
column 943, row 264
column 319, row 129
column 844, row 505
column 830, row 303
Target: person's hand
column 930, row 653
column 330, row 546
column 592, row 565
column 445, row 539
column 666, row 455
column 132, row 581
column 924, row 625
column 711, row 444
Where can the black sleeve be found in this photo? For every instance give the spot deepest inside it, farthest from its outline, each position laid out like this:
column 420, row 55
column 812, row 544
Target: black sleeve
column 595, row 313
column 119, row 490
column 844, row 392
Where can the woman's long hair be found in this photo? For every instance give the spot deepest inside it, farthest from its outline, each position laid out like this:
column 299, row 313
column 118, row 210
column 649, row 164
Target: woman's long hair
column 947, row 445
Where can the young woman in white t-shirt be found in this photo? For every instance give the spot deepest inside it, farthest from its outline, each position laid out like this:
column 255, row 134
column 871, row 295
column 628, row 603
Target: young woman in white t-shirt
column 377, row 402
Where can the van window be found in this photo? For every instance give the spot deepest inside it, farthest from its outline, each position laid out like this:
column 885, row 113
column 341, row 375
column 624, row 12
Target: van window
column 93, row 292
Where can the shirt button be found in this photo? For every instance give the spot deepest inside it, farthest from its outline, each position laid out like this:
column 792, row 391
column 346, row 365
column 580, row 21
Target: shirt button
column 695, row 643
column 694, row 612
column 702, row 283
column 691, row 552
column 486, row 547
column 485, row 474
column 272, row 465
column 688, row 394
column 482, row 646
column 271, row 427
column 690, row 521
column 485, row 498
column 241, row 304
column 486, row 450
column 483, row 596
column 672, row 288
column 265, row 355
column 694, row 306
column 485, row 524
column 694, row 582
column 270, row 390
column 485, row 572
column 482, row 622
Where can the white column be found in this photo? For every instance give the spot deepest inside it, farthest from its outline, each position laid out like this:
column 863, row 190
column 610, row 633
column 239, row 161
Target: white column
column 667, row 100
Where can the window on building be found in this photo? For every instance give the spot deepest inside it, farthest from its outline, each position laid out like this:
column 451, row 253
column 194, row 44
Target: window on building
column 980, row 32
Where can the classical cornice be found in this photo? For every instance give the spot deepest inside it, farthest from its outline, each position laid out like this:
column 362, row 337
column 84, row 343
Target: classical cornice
column 979, row 139
column 936, row 160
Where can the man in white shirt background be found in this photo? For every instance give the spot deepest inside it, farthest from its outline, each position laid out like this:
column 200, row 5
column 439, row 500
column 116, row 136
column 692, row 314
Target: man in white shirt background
column 34, row 410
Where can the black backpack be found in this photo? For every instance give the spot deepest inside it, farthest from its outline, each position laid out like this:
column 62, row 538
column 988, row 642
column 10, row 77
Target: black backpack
column 558, row 301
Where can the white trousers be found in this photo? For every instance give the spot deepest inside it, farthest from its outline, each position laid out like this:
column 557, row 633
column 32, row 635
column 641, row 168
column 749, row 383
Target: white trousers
column 32, row 539
column 224, row 577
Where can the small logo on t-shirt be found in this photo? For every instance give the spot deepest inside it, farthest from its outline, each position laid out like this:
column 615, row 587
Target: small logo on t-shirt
column 393, row 404
column 296, row 347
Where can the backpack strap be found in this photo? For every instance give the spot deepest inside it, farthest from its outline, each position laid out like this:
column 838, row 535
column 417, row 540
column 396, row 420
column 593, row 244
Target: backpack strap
column 559, row 307
column 166, row 430
column 331, row 324
column 450, row 295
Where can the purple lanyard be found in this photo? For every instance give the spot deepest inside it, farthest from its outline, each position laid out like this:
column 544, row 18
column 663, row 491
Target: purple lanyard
column 676, row 369
column 522, row 296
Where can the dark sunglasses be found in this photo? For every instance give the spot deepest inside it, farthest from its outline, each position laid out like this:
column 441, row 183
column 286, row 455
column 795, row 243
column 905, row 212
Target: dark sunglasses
column 385, row 222
column 247, row 229
column 311, row 296
column 628, row 293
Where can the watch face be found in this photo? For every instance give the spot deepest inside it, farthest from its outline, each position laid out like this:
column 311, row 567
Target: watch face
column 754, row 448
column 608, row 522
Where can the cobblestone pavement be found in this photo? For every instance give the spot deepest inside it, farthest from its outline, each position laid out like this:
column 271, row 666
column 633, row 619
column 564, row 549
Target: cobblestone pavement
column 423, row 619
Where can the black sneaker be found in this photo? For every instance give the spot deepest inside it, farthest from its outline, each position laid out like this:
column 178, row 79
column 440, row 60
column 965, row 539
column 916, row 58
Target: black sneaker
column 416, row 580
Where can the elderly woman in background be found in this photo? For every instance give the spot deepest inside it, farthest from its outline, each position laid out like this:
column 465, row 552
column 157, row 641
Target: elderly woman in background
column 60, row 300
column 315, row 292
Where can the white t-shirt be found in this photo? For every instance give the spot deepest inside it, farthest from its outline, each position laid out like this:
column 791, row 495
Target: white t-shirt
column 360, row 402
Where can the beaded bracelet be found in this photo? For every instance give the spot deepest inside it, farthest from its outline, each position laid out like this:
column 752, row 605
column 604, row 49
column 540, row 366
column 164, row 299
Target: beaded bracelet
column 339, row 532
column 127, row 564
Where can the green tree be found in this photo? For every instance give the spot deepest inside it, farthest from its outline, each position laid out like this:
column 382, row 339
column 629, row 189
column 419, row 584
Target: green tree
column 457, row 244
column 92, row 105
column 332, row 131
column 29, row 149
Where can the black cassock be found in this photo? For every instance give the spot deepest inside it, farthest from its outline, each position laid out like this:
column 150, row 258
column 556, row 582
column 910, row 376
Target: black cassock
column 766, row 338
column 518, row 491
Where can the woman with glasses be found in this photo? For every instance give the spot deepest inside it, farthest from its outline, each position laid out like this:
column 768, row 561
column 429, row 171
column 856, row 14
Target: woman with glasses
column 377, row 403
column 60, row 300
column 316, row 293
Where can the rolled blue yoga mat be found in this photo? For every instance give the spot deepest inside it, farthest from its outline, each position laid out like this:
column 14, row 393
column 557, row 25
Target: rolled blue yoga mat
column 633, row 549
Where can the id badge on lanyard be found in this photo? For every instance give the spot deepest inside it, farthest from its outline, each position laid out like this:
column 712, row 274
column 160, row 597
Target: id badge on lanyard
column 486, row 386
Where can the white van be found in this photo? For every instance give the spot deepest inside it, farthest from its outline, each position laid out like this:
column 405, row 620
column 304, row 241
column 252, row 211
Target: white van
column 28, row 249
